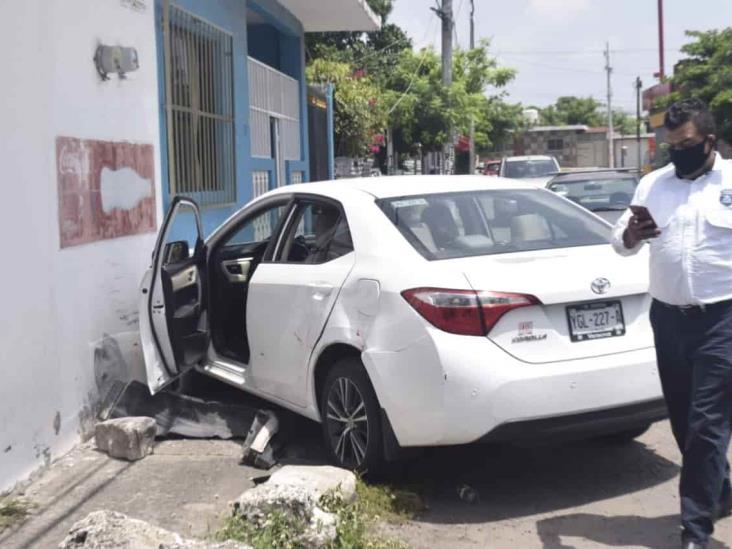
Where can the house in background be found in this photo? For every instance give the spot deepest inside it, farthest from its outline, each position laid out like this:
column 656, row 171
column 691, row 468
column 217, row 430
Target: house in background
column 580, row 146
column 207, row 99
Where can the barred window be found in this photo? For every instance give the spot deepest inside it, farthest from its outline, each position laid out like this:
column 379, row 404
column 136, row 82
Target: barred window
column 556, row 144
column 200, row 109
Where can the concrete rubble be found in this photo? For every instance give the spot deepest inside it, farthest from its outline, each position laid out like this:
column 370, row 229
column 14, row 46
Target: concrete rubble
column 297, row 491
column 111, row 530
column 130, row 438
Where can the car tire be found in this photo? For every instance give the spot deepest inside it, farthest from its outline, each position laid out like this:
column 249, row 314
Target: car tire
column 627, row 436
column 351, row 417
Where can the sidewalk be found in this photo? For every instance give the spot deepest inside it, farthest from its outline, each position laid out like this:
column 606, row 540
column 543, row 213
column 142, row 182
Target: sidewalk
column 184, row 486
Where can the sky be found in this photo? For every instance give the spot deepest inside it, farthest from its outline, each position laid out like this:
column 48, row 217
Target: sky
column 557, row 46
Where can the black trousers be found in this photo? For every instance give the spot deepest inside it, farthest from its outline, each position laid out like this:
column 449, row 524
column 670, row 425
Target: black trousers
column 694, row 351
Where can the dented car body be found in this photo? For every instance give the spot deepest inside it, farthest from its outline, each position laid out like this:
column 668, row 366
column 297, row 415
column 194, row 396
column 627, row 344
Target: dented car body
column 409, row 312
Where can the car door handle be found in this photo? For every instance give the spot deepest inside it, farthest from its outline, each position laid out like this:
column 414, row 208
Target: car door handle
column 321, row 290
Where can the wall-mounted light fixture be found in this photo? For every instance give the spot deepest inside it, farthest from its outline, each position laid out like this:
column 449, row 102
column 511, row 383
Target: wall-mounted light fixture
column 115, row 59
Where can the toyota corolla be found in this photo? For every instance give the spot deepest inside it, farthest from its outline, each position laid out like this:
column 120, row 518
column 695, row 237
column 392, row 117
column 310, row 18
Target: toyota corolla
column 409, row 312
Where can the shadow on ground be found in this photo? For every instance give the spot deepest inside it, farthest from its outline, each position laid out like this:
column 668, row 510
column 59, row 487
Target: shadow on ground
column 514, row 482
column 618, row 531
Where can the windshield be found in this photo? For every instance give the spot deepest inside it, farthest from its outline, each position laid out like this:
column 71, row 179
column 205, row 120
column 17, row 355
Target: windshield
column 520, row 169
column 598, row 194
column 450, row 225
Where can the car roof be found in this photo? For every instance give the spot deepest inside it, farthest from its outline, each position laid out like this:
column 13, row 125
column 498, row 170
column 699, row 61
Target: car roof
column 530, row 157
column 594, row 174
column 406, row 185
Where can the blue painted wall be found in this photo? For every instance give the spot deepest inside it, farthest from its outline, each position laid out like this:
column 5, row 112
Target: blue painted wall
column 283, row 46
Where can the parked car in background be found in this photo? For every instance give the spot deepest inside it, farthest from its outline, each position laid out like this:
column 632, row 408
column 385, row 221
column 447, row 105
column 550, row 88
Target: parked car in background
column 605, row 192
column 491, row 167
column 536, row 168
column 407, row 312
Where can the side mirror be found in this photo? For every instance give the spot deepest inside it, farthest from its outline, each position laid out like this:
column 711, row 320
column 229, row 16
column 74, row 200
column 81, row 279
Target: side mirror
column 175, row 252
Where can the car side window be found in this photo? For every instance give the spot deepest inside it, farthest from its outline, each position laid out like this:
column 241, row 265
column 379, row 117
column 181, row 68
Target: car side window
column 259, row 228
column 318, row 233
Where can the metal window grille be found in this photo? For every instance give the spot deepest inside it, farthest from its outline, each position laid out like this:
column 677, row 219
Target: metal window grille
column 260, row 183
column 273, row 94
column 296, row 177
column 200, row 108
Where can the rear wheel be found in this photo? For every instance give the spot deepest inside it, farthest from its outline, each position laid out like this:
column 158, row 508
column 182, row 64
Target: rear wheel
column 351, row 421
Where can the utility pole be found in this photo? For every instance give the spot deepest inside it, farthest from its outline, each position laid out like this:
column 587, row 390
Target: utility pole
column 444, row 12
column 638, row 86
column 471, row 155
column 610, row 129
column 661, row 60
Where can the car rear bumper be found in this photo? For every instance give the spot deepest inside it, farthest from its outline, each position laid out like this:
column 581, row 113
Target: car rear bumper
column 583, row 425
column 446, row 390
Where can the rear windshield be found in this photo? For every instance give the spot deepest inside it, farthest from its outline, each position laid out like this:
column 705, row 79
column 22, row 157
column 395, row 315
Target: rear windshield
column 598, row 194
column 451, row 225
column 522, row 169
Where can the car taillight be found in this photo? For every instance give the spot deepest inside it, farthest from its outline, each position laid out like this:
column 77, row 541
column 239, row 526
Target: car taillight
column 494, row 305
column 465, row 312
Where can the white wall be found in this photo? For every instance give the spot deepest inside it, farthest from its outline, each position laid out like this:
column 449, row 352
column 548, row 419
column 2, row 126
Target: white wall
column 57, row 305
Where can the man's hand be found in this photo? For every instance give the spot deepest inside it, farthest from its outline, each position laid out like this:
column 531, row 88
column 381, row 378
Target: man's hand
column 639, row 230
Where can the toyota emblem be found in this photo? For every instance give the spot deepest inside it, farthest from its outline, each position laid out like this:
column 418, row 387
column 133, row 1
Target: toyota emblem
column 600, row 285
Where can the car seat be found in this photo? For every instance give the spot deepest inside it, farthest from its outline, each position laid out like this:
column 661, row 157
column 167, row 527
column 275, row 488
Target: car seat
column 441, row 223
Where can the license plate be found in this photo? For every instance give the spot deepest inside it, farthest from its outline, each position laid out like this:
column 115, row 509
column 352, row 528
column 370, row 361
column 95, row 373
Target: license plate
column 598, row 320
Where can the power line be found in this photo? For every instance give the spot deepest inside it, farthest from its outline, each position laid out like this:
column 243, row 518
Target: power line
column 579, row 52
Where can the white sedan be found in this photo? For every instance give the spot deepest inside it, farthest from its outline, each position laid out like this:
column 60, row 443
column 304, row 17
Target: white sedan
column 408, row 312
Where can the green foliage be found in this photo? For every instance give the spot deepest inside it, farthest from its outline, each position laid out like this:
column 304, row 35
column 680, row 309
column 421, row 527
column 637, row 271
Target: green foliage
column 278, row 530
column 355, row 521
column 572, row 110
column 424, row 110
column 13, row 511
column 706, row 73
column 407, row 88
column 359, row 105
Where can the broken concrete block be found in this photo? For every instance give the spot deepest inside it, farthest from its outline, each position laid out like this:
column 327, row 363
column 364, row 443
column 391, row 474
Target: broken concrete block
column 318, row 480
column 296, row 491
column 129, row 438
column 107, row 529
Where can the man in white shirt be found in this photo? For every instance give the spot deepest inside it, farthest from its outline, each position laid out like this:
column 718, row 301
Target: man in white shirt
column 688, row 226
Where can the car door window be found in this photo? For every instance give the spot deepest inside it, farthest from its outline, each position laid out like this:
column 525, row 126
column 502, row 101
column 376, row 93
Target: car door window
column 318, row 233
column 259, row 228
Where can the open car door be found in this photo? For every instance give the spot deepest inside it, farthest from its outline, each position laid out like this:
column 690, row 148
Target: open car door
column 173, row 314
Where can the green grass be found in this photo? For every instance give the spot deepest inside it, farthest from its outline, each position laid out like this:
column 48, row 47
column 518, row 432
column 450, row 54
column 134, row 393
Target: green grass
column 375, row 503
column 13, row 511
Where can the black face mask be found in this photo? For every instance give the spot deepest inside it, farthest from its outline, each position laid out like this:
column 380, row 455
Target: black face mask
column 689, row 160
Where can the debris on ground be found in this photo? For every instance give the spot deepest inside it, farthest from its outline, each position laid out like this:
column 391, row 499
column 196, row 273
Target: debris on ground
column 468, row 494
column 130, row 438
column 257, row 449
column 107, row 529
column 184, row 415
column 293, row 495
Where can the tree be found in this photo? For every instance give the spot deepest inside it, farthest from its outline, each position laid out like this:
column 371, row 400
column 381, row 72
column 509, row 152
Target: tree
column 706, row 73
column 359, row 107
column 572, row 110
column 424, row 111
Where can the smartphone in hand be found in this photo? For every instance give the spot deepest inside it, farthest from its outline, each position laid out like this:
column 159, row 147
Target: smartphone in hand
column 642, row 213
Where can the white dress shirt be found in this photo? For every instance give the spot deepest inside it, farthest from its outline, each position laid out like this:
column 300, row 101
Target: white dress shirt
column 691, row 261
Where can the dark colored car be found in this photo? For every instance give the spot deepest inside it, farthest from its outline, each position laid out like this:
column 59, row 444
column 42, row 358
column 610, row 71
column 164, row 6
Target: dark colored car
column 606, row 193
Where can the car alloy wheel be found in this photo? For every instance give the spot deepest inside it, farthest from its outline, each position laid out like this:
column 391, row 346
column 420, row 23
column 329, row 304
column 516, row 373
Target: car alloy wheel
column 351, row 417
column 347, row 423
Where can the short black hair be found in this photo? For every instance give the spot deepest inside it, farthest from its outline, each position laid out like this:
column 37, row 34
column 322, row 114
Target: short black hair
column 694, row 110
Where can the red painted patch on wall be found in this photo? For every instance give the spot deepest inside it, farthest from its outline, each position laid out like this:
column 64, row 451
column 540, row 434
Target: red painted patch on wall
column 106, row 189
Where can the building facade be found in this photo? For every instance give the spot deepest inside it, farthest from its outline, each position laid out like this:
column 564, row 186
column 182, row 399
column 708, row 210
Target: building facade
column 205, row 98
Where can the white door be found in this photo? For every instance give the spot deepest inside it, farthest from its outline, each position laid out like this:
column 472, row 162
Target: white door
column 291, row 298
column 173, row 321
